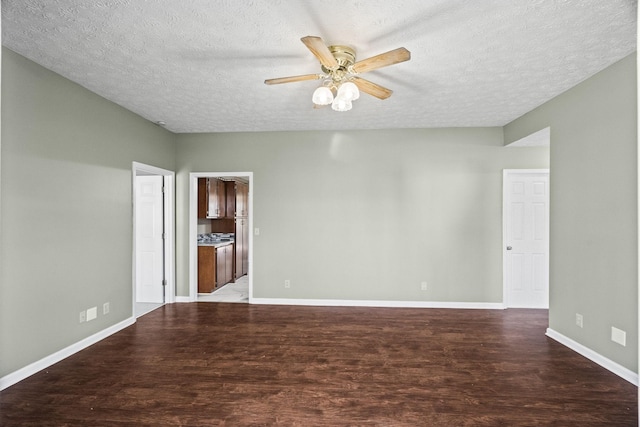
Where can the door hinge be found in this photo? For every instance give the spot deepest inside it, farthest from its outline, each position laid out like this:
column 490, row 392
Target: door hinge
column 164, row 282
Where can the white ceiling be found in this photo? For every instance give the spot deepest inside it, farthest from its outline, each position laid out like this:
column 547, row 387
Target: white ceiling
column 199, row 65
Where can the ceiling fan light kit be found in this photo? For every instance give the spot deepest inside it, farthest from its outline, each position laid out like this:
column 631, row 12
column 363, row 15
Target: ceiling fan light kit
column 349, row 90
column 345, row 94
column 339, row 104
column 322, row 96
column 341, row 84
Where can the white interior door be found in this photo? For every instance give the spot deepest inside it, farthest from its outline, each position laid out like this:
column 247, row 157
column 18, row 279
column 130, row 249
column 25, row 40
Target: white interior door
column 526, row 238
column 149, row 239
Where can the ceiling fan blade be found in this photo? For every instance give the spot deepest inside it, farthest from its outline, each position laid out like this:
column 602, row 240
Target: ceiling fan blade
column 292, row 79
column 384, row 59
column 371, row 88
column 321, row 51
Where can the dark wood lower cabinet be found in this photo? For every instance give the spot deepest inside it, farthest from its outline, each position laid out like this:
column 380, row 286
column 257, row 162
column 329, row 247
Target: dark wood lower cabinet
column 224, row 265
column 215, row 267
column 206, row 269
column 241, row 247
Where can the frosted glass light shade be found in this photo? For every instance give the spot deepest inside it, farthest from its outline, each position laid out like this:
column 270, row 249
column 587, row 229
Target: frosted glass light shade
column 322, row 96
column 341, row 104
column 349, row 90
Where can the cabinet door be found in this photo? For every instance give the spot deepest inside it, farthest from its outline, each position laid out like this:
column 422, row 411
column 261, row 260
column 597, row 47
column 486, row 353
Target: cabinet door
column 242, row 199
column 224, row 265
column 216, row 198
column 242, row 247
column 221, row 263
column 245, row 247
column 206, row 269
column 239, row 232
column 228, row 263
column 202, row 198
column 230, row 202
column 222, row 199
column 212, row 198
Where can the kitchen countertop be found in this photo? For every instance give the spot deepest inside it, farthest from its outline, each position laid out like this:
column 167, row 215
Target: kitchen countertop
column 216, row 244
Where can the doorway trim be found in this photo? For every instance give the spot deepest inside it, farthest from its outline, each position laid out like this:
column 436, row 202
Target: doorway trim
column 505, row 213
column 193, row 228
column 169, row 229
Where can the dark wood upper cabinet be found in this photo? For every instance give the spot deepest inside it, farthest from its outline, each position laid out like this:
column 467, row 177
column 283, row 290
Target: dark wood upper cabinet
column 202, row 198
column 230, row 189
column 237, row 199
column 242, row 199
column 217, row 198
column 212, row 201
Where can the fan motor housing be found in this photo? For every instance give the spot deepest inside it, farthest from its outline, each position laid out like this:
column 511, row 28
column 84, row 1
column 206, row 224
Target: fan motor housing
column 345, row 56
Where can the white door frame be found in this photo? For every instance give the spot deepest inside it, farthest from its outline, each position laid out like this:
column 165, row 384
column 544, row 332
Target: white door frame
column 505, row 199
column 193, row 228
column 169, row 227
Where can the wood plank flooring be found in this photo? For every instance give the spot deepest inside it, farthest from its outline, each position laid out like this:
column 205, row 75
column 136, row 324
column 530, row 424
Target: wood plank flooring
column 206, row 364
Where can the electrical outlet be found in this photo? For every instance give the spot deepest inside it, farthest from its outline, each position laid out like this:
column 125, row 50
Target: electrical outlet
column 619, row 336
column 83, row 316
column 105, row 308
column 423, row 286
column 287, row 283
column 256, row 231
column 92, row 313
column 579, row 320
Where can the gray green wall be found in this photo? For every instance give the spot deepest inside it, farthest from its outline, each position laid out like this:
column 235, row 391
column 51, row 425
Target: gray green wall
column 366, row 215
column 593, row 246
column 363, row 215
column 66, row 219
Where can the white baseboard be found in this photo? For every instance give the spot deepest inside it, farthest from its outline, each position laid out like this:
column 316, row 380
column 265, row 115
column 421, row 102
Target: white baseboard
column 376, row 303
column 606, row 363
column 27, row 371
column 184, row 299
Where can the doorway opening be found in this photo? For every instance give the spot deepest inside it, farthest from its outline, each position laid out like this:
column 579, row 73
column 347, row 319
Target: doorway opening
column 220, row 237
column 153, row 263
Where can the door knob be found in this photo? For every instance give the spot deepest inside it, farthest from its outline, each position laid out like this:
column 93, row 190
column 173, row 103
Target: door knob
column 509, row 248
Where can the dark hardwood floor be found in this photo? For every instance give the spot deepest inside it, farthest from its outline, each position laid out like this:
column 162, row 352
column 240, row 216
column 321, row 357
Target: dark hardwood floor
column 205, row 364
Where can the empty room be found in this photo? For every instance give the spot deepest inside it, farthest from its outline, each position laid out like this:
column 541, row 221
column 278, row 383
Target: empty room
column 324, row 213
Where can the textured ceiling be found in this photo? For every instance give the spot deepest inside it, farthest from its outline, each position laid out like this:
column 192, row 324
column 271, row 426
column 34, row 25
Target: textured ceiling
column 199, row 65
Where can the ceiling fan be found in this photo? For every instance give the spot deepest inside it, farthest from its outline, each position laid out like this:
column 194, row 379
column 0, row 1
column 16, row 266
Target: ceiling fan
column 341, row 84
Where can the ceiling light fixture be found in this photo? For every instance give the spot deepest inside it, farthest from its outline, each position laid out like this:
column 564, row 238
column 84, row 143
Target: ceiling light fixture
column 337, row 89
column 341, row 84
